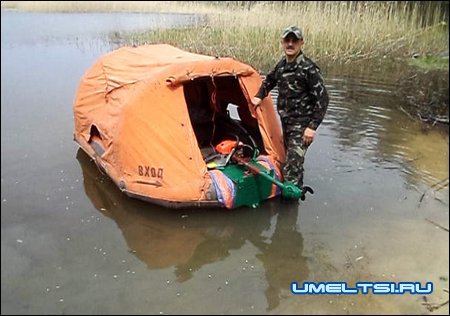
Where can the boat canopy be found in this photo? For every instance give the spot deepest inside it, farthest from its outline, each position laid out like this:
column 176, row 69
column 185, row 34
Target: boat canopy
column 149, row 116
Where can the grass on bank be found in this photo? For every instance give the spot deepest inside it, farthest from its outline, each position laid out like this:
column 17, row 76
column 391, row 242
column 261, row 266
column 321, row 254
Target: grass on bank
column 430, row 62
column 339, row 31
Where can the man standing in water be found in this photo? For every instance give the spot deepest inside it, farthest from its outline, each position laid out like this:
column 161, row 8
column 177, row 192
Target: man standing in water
column 302, row 102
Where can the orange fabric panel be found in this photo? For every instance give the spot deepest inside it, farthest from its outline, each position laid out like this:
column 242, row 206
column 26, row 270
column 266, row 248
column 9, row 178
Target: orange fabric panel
column 157, row 143
column 269, row 126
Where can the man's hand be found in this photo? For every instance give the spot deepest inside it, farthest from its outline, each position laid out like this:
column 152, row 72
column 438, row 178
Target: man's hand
column 308, row 136
column 256, row 101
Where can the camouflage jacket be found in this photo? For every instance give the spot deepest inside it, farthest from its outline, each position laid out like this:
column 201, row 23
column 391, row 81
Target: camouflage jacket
column 302, row 94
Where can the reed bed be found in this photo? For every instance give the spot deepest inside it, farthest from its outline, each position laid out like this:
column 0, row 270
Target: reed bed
column 340, row 31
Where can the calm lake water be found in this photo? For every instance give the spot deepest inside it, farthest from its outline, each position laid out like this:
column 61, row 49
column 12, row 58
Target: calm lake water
column 73, row 244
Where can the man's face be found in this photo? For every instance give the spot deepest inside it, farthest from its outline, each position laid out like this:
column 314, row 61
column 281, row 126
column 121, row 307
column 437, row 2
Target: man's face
column 292, row 45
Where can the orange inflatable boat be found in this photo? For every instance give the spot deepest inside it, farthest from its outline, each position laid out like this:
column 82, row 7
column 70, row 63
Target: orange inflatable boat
column 154, row 117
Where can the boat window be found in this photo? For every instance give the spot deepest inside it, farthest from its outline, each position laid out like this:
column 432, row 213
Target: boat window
column 95, row 140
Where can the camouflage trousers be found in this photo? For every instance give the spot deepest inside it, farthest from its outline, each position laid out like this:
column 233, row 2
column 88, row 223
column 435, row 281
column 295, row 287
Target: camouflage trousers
column 295, row 154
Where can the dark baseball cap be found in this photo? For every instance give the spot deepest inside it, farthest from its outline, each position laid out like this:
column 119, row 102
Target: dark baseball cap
column 294, row 30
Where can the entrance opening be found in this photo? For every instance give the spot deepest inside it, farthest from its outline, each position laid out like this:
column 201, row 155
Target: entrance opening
column 218, row 110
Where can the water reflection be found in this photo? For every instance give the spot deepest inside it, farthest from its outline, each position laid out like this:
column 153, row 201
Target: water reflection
column 420, row 94
column 367, row 113
column 190, row 239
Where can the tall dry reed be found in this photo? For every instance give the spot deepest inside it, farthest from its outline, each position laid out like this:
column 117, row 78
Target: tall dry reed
column 250, row 31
